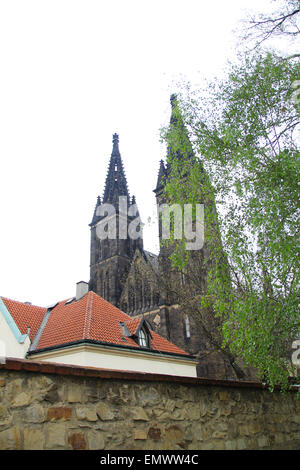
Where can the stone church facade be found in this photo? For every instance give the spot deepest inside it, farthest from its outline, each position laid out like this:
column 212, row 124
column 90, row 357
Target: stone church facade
column 128, row 276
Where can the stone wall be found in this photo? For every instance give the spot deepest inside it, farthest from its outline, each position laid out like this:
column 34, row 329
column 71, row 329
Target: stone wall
column 48, row 406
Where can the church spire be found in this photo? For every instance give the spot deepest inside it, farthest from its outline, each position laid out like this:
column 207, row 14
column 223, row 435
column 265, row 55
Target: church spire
column 111, row 255
column 96, row 218
column 179, row 145
column 116, row 184
column 174, row 104
column 161, row 175
column 115, row 149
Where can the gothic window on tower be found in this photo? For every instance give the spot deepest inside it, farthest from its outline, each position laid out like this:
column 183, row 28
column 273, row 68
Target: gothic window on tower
column 107, row 286
column 131, row 299
column 105, row 249
column 99, row 282
column 104, row 286
column 187, row 327
column 156, row 299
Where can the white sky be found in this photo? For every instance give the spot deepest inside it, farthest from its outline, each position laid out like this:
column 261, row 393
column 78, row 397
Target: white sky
column 71, row 74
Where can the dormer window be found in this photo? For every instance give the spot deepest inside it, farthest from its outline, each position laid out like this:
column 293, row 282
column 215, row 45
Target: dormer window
column 142, row 338
column 139, row 330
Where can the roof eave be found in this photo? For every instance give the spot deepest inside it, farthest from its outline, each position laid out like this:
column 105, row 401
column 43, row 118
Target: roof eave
column 109, row 345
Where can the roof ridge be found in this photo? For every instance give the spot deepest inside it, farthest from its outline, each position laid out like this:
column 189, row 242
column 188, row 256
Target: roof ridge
column 88, row 316
column 111, row 305
column 22, row 303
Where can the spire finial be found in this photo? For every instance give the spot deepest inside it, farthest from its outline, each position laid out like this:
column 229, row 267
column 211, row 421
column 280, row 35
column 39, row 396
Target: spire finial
column 115, row 184
column 115, row 143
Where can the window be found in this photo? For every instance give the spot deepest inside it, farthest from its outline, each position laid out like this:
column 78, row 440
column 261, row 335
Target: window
column 142, row 338
column 187, row 327
column 99, row 251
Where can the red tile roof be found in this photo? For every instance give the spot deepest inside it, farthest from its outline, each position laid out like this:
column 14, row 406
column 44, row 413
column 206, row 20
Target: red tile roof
column 91, row 318
column 25, row 315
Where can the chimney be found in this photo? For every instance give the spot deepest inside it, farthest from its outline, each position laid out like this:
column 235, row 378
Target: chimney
column 82, row 288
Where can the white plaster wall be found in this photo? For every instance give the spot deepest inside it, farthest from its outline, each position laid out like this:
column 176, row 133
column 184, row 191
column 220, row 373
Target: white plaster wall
column 122, row 361
column 9, row 346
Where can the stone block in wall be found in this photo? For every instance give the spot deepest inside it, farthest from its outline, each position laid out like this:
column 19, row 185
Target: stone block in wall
column 104, row 412
column 59, row 413
column 77, row 441
column 21, row 399
column 74, row 393
column 139, row 414
column 34, row 439
column 35, row 413
column 95, row 440
column 86, row 413
column 5, row 416
column 147, row 396
column 10, row 439
column 140, row 434
column 55, row 436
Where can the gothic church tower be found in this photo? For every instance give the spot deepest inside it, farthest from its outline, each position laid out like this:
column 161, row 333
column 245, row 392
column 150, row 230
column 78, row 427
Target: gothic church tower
column 111, row 257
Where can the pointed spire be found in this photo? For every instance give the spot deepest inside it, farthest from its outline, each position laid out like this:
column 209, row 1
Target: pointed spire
column 174, row 108
column 139, row 242
column 179, row 145
column 96, row 218
column 116, row 184
column 115, row 149
column 161, row 175
column 133, row 202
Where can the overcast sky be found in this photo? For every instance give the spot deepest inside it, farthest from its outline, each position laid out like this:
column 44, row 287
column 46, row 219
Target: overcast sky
column 72, row 74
